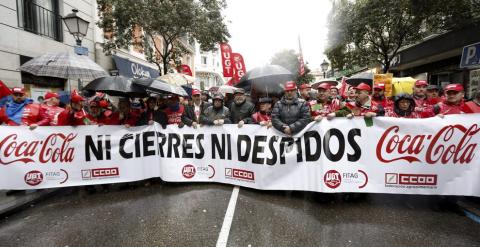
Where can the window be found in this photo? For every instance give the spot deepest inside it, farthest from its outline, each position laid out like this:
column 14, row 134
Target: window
column 40, row 17
column 204, row 60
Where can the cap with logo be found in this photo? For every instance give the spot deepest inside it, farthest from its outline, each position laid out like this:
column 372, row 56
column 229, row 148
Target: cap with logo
column 364, row 87
column 305, row 86
column 50, row 95
column 75, row 97
column 290, row 85
column 454, row 87
column 196, row 92
column 379, row 86
column 419, row 83
column 324, row 85
column 18, row 90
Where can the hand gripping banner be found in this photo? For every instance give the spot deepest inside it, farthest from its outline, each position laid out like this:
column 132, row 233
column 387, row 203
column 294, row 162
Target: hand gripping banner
column 404, row 156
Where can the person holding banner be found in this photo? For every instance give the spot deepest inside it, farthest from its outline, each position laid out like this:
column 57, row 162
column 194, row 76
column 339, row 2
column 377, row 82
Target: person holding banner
column 74, row 115
column 363, row 106
column 125, row 116
column 422, row 106
column 263, row 116
column 216, row 114
column 403, row 107
column 453, row 103
column 324, row 104
column 290, row 115
column 433, row 95
column 51, row 109
column 379, row 96
column 305, row 92
column 152, row 114
column 21, row 110
column 191, row 115
column 174, row 109
column 241, row 110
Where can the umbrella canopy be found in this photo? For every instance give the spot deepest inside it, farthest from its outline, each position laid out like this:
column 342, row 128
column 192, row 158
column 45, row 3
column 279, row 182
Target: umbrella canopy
column 64, row 65
column 268, row 79
column 332, row 82
column 116, row 86
column 176, row 79
column 213, row 89
column 226, row 89
column 365, row 77
column 158, row 86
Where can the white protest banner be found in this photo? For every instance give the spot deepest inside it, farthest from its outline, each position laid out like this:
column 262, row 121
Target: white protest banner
column 406, row 156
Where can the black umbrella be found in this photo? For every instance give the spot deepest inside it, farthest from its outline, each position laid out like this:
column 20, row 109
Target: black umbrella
column 365, row 77
column 268, row 79
column 116, row 86
column 158, row 86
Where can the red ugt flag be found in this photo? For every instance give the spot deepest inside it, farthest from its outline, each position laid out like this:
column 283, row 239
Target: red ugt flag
column 227, row 60
column 239, row 69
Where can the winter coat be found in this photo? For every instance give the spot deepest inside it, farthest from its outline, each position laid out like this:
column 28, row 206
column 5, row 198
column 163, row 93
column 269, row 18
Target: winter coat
column 473, row 107
column 26, row 113
column 69, row 117
column 293, row 113
column 52, row 113
column 211, row 114
column 319, row 109
column 242, row 112
column 448, row 109
column 189, row 116
column 156, row 115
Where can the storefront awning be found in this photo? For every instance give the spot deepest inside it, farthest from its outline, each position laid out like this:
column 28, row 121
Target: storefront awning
column 131, row 69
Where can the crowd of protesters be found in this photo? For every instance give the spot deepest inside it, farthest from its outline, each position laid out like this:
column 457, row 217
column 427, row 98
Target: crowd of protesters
column 288, row 114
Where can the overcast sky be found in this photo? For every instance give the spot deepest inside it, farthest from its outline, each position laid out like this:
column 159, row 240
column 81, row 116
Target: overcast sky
column 260, row 28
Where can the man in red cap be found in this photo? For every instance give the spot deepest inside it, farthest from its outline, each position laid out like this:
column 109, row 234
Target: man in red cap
column 363, row 106
column 290, row 114
column 51, row 109
column 453, row 103
column 74, row 115
column 21, row 110
column 379, row 96
column 422, row 106
column 305, row 92
column 100, row 113
column 324, row 104
column 174, row 110
column 192, row 112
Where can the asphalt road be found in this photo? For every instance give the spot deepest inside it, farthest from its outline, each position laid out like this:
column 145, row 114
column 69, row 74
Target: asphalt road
column 166, row 214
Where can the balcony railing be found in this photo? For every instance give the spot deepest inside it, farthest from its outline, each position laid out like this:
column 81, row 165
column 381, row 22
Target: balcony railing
column 39, row 20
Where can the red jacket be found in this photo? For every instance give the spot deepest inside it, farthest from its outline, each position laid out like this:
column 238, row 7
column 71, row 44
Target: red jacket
column 423, row 107
column 174, row 117
column 385, row 103
column 69, row 117
column 319, row 109
column 51, row 113
column 448, row 109
column 131, row 119
column 370, row 106
column 258, row 117
column 391, row 113
column 472, row 107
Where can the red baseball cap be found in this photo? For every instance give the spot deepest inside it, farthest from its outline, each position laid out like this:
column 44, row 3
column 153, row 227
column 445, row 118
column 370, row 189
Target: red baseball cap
column 324, row 85
column 75, row 97
column 305, row 86
column 380, row 86
column 18, row 90
column 50, row 95
column 363, row 86
column 290, row 85
column 196, row 92
column 454, row 87
column 421, row 83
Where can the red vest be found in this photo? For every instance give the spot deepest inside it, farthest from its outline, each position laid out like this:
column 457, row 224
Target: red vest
column 175, row 117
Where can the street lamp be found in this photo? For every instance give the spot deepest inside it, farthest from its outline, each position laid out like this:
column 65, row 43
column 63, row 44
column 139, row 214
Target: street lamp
column 76, row 26
column 324, row 67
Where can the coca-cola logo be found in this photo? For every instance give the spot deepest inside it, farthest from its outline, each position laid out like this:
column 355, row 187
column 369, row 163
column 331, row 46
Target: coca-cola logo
column 54, row 148
column 451, row 144
column 33, row 178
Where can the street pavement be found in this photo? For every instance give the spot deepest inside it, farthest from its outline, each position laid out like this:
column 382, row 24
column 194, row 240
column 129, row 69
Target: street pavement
column 192, row 214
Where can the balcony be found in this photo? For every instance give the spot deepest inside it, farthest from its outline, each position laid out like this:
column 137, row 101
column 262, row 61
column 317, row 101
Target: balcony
column 40, row 20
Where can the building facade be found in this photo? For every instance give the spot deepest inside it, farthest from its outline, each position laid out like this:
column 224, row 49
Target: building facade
column 208, row 67
column 437, row 58
column 30, row 28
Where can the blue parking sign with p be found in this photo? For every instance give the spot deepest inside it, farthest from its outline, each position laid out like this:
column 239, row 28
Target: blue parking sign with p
column 470, row 56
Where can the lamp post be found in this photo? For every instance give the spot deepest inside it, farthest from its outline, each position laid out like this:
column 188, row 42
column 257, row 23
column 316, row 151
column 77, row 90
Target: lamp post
column 324, row 65
column 76, row 26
